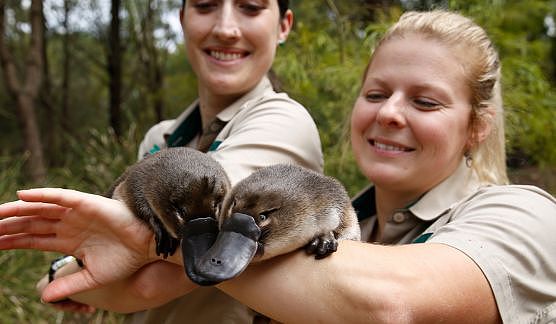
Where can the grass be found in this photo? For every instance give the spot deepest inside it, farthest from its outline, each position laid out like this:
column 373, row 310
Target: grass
column 19, row 302
column 96, row 164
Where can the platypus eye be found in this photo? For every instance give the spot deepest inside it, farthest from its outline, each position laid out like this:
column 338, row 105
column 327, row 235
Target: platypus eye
column 216, row 207
column 180, row 209
column 266, row 214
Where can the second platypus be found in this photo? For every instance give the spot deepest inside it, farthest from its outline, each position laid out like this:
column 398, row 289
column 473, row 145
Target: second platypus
column 276, row 210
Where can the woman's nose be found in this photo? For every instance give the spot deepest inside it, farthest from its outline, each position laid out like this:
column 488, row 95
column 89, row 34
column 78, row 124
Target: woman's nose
column 226, row 27
column 392, row 112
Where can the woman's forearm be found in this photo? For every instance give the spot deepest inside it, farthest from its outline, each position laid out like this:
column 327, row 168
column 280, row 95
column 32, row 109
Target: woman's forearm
column 368, row 283
column 153, row 285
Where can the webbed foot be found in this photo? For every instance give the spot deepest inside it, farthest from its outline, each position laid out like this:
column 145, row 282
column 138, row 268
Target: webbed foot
column 322, row 246
column 165, row 244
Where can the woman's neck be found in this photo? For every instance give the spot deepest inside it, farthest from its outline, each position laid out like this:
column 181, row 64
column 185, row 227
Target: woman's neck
column 211, row 104
column 387, row 201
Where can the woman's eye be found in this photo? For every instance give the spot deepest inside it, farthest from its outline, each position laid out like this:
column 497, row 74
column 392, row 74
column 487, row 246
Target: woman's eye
column 375, row 96
column 427, row 104
column 251, row 8
column 204, row 6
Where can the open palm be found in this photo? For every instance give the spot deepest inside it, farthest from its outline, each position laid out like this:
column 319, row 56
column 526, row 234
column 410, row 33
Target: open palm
column 102, row 232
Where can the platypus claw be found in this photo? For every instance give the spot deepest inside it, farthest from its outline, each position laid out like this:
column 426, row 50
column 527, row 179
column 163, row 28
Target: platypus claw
column 165, row 244
column 322, row 246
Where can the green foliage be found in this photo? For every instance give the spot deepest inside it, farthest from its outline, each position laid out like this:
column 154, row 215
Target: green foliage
column 97, row 161
column 517, row 28
column 19, row 302
column 10, row 171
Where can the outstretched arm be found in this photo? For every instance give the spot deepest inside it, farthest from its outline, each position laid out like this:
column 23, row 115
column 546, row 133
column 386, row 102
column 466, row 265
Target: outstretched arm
column 111, row 242
column 369, row 283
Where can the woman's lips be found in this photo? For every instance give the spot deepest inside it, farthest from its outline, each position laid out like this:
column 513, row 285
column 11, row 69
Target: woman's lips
column 389, row 147
column 226, row 55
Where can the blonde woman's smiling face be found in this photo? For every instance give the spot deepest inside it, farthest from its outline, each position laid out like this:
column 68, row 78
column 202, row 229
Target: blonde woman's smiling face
column 231, row 44
column 410, row 123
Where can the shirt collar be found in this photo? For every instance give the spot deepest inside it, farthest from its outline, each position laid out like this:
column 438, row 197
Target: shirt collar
column 439, row 199
column 261, row 88
column 229, row 112
column 432, row 204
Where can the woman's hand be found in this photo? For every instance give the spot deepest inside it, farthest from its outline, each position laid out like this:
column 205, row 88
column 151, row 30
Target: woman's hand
column 102, row 232
column 66, row 305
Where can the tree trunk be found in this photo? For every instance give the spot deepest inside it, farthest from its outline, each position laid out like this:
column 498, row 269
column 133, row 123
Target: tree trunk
column 156, row 76
column 151, row 63
column 115, row 69
column 46, row 99
column 66, row 121
column 26, row 91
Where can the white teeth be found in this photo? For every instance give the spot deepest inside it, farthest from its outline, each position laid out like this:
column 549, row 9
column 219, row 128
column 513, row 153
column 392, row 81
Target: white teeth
column 386, row 147
column 225, row 56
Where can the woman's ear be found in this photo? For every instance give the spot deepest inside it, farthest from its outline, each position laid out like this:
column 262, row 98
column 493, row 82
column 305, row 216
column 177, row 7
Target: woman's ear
column 286, row 24
column 481, row 127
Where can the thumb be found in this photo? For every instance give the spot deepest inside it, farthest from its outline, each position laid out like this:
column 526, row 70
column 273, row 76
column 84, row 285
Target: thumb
column 69, row 285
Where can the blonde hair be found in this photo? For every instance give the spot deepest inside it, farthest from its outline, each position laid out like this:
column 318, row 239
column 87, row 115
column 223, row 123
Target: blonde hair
column 481, row 64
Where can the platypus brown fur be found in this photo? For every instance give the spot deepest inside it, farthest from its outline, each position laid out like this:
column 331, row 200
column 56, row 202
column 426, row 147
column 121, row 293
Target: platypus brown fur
column 169, row 188
column 276, row 210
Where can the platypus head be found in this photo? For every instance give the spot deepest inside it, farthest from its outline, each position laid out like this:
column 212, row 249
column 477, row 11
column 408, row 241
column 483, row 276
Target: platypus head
column 256, row 224
column 264, row 215
column 182, row 184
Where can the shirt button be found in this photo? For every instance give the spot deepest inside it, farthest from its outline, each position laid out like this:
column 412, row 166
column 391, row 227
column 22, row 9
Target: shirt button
column 398, row 218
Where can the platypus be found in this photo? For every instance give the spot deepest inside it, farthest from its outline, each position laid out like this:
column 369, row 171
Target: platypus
column 169, row 188
column 276, row 210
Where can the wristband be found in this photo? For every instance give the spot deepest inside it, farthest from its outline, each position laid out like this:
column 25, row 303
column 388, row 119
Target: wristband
column 60, row 262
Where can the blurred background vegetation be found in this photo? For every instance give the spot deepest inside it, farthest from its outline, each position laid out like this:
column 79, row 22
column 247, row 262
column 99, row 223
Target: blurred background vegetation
column 81, row 86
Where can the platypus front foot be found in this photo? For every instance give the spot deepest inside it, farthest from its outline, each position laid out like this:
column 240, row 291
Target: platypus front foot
column 322, row 245
column 165, row 244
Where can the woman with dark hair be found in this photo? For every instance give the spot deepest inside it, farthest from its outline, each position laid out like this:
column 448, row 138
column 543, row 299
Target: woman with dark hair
column 238, row 119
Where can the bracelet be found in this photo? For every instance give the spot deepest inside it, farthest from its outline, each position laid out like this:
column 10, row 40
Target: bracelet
column 60, row 262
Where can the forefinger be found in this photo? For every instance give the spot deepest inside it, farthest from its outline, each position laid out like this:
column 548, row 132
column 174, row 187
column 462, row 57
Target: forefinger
column 25, row 208
column 28, row 224
column 42, row 242
column 63, row 197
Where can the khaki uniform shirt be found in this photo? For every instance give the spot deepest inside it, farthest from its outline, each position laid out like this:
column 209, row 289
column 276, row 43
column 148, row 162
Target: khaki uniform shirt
column 508, row 231
column 262, row 128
